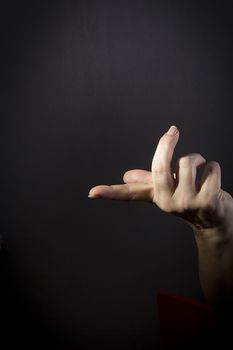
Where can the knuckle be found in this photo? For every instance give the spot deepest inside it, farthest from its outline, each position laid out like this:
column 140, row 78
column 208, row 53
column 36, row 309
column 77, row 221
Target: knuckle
column 185, row 161
column 214, row 165
column 184, row 203
column 190, row 159
column 163, row 203
column 188, row 203
column 159, row 168
column 198, row 156
column 209, row 205
column 165, row 206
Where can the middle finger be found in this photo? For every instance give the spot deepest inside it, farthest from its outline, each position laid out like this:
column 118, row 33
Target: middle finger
column 162, row 175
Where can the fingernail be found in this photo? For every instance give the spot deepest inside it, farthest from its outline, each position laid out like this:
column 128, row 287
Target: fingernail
column 172, row 130
column 90, row 195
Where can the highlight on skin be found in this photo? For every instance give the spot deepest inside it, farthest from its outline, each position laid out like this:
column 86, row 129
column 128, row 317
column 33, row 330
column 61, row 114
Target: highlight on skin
column 203, row 205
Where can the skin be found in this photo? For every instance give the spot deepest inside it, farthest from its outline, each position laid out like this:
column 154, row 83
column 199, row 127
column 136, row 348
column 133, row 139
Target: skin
column 204, row 206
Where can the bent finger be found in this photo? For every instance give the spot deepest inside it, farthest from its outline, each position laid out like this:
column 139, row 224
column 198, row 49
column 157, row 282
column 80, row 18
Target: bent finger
column 211, row 178
column 186, row 170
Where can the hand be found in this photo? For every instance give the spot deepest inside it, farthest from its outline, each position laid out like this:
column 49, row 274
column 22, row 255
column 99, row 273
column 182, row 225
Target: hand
column 202, row 205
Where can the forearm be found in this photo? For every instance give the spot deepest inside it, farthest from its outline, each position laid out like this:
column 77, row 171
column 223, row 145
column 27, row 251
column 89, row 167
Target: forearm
column 203, row 205
column 215, row 259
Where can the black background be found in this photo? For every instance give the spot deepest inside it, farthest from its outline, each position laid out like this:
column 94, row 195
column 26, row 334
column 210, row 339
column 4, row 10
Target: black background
column 88, row 88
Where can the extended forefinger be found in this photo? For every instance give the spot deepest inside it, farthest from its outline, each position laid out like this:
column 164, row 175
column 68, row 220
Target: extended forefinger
column 162, row 175
column 125, row 192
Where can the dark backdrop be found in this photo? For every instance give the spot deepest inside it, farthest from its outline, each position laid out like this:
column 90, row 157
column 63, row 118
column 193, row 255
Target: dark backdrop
column 88, row 88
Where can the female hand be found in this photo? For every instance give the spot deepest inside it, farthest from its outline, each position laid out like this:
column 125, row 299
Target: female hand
column 202, row 205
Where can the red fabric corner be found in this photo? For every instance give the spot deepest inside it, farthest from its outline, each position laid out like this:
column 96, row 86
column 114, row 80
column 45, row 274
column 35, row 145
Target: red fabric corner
column 183, row 320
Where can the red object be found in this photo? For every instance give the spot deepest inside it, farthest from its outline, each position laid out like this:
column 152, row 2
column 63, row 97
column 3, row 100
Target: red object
column 184, row 321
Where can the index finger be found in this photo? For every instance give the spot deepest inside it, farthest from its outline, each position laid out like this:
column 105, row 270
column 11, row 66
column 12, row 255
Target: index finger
column 162, row 175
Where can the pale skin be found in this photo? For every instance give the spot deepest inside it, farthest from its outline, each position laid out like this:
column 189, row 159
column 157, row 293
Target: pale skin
column 204, row 206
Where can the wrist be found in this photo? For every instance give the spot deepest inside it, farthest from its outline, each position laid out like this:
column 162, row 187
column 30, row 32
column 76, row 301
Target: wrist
column 214, row 235
column 219, row 227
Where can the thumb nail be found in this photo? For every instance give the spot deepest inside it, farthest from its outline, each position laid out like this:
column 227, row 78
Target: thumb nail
column 172, row 130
